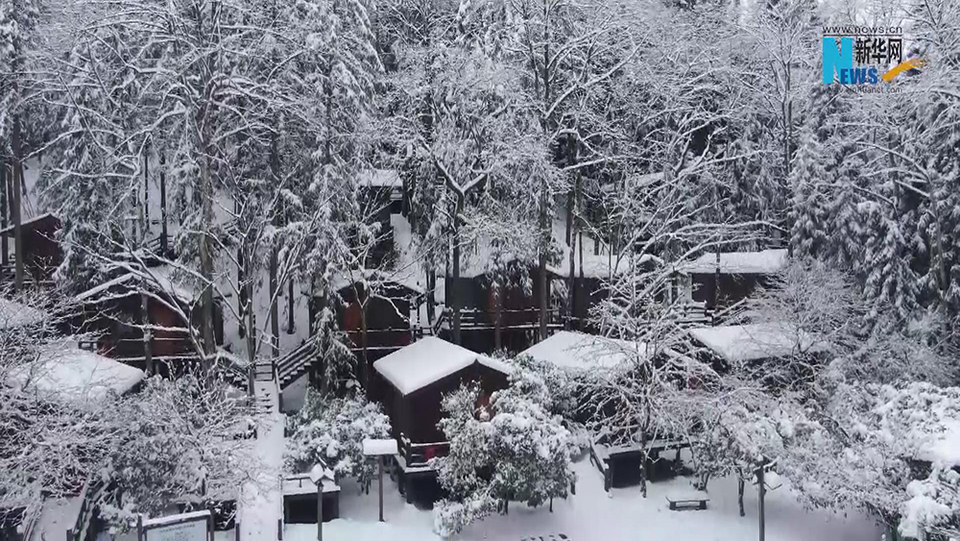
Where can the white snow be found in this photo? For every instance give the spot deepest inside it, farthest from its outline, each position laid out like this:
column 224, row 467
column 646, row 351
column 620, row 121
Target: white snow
column 261, row 500
column 582, row 352
column 740, row 343
column 591, row 514
column 945, row 449
column 14, row 315
column 381, row 178
column 428, row 360
column 379, row 447
column 174, row 519
column 762, row 262
column 76, row 374
column 56, row 516
column 26, row 223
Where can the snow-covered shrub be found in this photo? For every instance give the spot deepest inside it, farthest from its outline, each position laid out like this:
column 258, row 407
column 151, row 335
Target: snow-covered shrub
column 332, row 429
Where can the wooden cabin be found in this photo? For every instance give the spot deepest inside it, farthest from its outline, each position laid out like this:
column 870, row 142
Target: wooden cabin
column 518, row 311
column 114, row 311
column 411, row 382
column 41, row 249
column 380, row 197
column 738, row 276
column 751, row 345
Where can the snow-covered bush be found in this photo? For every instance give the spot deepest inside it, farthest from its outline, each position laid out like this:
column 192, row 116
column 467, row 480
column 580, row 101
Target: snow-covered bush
column 332, row 429
column 516, row 452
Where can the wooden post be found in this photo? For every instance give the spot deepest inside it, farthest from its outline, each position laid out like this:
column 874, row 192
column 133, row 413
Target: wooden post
column 236, row 530
column 320, row 510
column 762, row 488
column 380, row 491
column 210, row 525
column 139, row 527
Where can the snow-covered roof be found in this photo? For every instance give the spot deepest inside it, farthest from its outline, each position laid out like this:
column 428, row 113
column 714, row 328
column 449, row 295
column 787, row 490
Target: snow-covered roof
column 762, row 262
column 582, row 352
column 30, row 222
column 76, row 374
column 428, row 360
column 600, row 266
column 14, row 315
column 740, row 343
column 158, row 278
column 381, row 178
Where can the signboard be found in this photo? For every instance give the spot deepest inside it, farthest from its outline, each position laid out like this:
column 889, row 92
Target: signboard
column 196, row 526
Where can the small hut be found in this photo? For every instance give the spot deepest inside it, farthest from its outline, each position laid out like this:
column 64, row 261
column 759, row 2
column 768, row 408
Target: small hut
column 737, row 277
column 411, row 383
column 41, row 250
column 114, row 311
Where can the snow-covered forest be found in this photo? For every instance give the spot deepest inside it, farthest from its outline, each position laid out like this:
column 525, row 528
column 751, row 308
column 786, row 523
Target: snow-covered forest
column 519, row 237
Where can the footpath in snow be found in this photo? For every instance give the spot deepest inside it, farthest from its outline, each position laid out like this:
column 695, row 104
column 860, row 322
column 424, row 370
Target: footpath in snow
column 261, row 503
column 593, row 515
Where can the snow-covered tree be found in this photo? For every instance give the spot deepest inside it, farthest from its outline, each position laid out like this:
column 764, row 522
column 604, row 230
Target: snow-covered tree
column 332, row 429
column 184, row 440
column 515, row 451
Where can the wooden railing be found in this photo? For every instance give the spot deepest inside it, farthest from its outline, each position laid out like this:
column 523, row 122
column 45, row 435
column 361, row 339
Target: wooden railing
column 419, row 454
column 520, row 318
column 89, row 499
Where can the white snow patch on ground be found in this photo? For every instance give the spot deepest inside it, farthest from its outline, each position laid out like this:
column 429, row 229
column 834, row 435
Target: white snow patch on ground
column 592, row 515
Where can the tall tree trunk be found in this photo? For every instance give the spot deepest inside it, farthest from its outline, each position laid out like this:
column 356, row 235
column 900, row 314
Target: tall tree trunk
column 431, row 294
column 291, row 323
column 453, row 289
column 274, row 315
column 4, row 249
column 274, row 286
column 364, row 356
column 542, row 265
column 15, row 210
column 147, row 331
column 146, row 190
column 573, row 217
column 206, row 256
column 164, row 247
column 498, row 316
column 241, row 278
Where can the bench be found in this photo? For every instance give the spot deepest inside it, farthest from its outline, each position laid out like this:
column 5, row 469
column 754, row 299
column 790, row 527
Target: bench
column 689, row 500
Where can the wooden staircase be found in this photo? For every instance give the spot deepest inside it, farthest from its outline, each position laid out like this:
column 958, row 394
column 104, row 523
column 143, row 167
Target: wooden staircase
column 296, row 363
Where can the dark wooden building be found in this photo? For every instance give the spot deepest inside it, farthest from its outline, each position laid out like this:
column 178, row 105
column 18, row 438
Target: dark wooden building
column 114, row 312
column 514, row 314
column 41, row 250
column 410, row 384
column 737, row 277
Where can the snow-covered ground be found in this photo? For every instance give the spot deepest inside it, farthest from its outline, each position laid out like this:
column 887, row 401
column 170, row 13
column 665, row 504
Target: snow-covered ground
column 592, row 515
column 260, row 505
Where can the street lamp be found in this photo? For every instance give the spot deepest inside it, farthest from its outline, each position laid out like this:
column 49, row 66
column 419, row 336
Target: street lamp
column 380, row 449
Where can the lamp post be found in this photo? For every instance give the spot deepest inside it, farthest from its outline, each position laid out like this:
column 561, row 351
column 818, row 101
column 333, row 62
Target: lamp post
column 317, row 473
column 380, row 449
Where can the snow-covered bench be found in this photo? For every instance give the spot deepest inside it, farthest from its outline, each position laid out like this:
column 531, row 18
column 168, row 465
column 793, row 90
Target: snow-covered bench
column 694, row 499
